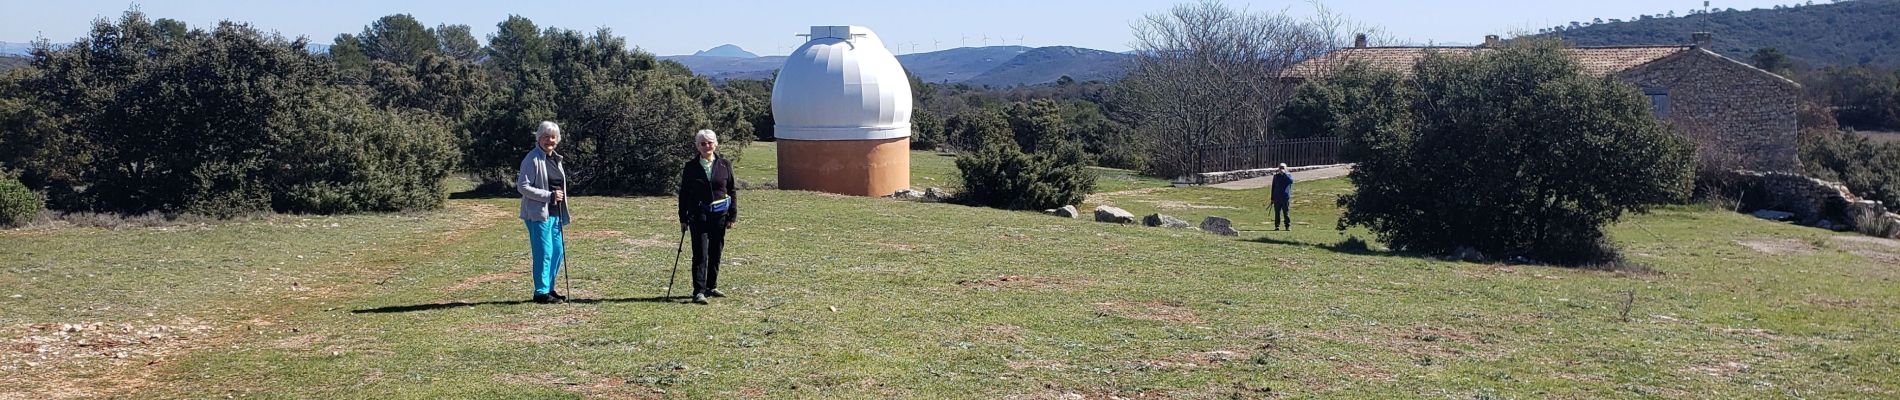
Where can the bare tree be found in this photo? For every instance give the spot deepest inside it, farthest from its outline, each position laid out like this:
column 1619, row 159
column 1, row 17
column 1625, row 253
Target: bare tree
column 1210, row 74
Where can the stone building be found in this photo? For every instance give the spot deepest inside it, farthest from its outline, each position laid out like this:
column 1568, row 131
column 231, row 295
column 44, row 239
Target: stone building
column 1740, row 116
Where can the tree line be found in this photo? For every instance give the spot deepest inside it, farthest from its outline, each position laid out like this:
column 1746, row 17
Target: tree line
column 146, row 115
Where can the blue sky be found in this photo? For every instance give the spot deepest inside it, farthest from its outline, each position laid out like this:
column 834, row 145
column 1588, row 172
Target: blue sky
column 767, row 27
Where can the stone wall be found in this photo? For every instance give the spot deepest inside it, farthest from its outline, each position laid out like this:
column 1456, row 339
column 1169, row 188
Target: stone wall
column 1814, row 202
column 1727, row 106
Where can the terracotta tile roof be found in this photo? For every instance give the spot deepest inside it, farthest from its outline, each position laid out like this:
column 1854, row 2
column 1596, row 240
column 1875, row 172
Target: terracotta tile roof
column 1596, row 60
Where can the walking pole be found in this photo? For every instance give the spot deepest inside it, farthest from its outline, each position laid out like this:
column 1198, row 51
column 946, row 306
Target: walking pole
column 561, row 234
column 676, row 263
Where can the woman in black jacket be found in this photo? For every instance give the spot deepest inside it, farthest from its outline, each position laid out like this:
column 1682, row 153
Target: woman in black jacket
column 708, row 205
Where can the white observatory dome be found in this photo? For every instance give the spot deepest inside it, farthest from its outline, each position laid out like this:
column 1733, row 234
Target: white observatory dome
column 841, row 85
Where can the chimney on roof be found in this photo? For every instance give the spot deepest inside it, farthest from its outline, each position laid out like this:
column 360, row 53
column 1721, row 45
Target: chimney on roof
column 1490, row 40
column 1359, row 40
column 1702, row 40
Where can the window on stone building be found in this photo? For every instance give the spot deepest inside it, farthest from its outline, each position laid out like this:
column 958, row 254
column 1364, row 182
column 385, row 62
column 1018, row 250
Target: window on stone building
column 1658, row 101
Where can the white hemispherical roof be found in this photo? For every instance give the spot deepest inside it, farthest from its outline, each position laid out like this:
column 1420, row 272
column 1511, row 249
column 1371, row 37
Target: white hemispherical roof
column 841, row 85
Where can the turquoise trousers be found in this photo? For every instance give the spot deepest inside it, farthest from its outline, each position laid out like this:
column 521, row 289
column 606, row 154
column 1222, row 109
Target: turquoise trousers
column 545, row 246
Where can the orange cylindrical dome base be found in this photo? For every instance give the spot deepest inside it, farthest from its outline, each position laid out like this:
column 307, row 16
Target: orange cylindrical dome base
column 850, row 167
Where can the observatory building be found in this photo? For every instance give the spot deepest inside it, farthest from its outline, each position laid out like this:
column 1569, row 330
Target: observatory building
column 842, row 110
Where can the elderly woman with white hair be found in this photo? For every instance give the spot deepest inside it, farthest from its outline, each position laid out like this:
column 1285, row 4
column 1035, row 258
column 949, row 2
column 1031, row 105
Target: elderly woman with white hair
column 708, row 205
column 543, row 186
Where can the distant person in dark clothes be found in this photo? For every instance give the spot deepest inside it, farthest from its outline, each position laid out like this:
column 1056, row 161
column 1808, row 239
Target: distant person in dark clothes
column 1282, row 198
column 543, row 186
column 708, row 205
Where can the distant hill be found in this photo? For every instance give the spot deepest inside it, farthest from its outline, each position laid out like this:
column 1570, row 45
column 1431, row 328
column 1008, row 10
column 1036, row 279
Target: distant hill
column 1844, row 33
column 725, row 51
column 9, row 62
column 1047, row 64
column 716, row 67
column 958, row 64
column 993, row 65
column 16, row 49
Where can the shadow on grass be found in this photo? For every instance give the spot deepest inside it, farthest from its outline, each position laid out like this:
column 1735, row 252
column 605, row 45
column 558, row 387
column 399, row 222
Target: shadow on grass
column 483, row 194
column 460, row 304
column 1352, row 245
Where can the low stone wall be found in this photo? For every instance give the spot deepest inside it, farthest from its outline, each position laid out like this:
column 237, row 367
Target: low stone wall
column 1230, row 176
column 1813, row 202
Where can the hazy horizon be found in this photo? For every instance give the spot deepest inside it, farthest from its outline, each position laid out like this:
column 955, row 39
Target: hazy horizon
column 769, row 28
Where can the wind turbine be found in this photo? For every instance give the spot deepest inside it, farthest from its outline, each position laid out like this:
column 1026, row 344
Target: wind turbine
column 966, row 40
column 936, row 45
column 1019, row 40
column 913, row 47
column 986, row 40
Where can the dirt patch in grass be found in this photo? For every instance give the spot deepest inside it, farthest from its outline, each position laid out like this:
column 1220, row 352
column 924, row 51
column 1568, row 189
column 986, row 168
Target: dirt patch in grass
column 594, row 234
column 1149, row 310
column 1719, row 369
column 38, row 357
column 1051, row 365
column 1102, row 198
column 298, row 342
column 1194, row 360
column 1870, row 241
column 1025, row 282
column 1778, row 247
column 479, row 280
column 1182, row 205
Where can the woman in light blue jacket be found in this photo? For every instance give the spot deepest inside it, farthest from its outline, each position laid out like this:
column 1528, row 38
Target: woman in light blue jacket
column 543, row 186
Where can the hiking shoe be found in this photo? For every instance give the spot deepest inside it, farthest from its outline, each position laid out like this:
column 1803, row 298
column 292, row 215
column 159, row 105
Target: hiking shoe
column 557, row 295
column 544, row 298
column 699, row 298
column 715, row 293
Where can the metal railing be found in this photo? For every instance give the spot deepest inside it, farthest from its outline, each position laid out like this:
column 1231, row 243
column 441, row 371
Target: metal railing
column 1268, row 154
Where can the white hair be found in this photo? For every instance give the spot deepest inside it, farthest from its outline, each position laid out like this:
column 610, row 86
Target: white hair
column 1282, row 165
column 705, row 134
column 547, row 128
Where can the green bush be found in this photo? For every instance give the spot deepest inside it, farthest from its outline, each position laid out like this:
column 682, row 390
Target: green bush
column 1512, row 152
column 18, row 205
column 220, row 122
column 1870, row 170
column 627, row 119
column 1002, row 175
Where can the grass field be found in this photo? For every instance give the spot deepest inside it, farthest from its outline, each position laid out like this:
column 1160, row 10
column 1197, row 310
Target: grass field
column 844, row 297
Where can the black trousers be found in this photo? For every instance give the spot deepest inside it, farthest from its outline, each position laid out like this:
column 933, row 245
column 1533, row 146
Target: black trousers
column 1282, row 213
column 709, row 238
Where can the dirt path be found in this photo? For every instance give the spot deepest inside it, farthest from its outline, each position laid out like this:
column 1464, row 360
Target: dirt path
column 1301, row 176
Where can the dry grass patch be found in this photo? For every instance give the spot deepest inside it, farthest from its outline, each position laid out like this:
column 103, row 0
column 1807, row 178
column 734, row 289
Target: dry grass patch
column 483, row 279
column 1778, row 247
column 1025, row 282
column 1150, row 311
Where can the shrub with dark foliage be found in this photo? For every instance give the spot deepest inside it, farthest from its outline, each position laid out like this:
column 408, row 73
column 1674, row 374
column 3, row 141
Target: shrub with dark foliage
column 1871, row 170
column 221, row 122
column 1511, row 152
column 1002, row 175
